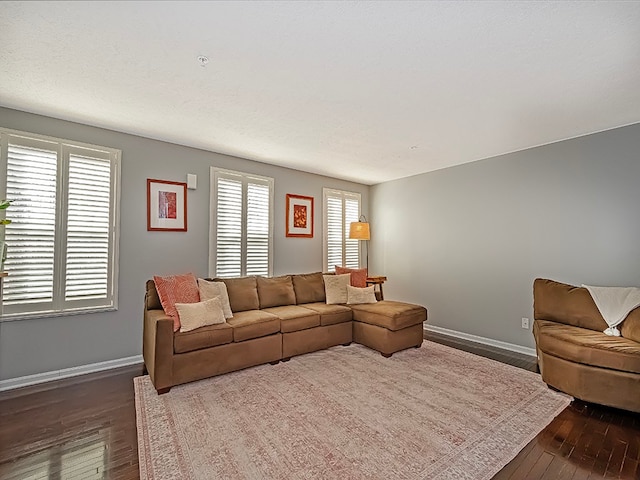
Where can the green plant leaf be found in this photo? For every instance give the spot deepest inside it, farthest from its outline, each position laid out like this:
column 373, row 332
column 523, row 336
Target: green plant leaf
column 5, row 221
column 5, row 204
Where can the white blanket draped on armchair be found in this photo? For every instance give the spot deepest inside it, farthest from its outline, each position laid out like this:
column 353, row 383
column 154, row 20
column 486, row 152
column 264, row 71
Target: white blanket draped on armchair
column 614, row 304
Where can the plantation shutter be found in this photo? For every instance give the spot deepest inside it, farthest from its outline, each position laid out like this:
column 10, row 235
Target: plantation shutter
column 334, row 232
column 242, row 216
column 257, row 228
column 88, row 232
column 351, row 246
column 62, row 241
column 340, row 209
column 32, row 171
column 229, row 228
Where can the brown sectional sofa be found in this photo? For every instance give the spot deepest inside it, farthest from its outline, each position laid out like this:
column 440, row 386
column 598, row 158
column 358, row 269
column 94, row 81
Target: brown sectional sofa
column 273, row 319
column 576, row 357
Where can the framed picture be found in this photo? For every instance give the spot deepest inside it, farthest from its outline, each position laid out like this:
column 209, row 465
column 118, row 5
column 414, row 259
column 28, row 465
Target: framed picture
column 166, row 205
column 299, row 216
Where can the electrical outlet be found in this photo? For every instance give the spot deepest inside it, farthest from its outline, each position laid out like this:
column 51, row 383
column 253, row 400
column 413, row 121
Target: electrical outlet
column 525, row 323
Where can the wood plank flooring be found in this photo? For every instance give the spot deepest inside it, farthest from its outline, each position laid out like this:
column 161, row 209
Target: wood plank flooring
column 78, row 428
column 85, row 428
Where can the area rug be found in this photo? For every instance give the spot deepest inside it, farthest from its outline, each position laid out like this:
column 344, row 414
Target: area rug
column 346, row 413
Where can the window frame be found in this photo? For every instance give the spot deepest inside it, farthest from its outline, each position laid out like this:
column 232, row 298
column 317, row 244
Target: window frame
column 65, row 150
column 214, row 175
column 343, row 195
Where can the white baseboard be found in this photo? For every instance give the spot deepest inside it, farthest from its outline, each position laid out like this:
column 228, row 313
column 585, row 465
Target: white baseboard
column 486, row 341
column 27, row 380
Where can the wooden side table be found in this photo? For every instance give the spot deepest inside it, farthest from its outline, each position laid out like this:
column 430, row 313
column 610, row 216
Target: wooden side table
column 377, row 281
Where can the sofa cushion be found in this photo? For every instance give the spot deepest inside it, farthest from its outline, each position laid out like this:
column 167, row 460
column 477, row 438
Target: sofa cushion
column 176, row 289
column 358, row 275
column 389, row 314
column 210, row 290
column 335, row 287
column 253, row 324
column 309, row 288
column 203, row 337
column 294, row 318
column 275, row 291
column 559, row 302
column 585, row 346
column 331, row 314
column 630, row 327
column 243, row 293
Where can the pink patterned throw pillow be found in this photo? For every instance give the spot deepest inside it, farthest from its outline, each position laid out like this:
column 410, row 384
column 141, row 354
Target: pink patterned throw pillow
column 358, row 275
column 176, row 289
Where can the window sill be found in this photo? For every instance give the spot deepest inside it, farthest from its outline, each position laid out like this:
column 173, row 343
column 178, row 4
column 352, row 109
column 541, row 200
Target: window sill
column 32, row 316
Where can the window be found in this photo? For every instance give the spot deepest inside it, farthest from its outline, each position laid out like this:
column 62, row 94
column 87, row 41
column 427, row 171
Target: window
column 241, row 226
column 340, row 209
column 62, row 243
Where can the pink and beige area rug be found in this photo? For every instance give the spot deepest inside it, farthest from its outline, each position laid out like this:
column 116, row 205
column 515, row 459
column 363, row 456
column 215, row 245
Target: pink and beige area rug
column 346, row 413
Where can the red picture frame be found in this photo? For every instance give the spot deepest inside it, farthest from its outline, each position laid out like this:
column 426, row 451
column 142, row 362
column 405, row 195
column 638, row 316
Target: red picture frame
column 166, row 206
column 299, row 219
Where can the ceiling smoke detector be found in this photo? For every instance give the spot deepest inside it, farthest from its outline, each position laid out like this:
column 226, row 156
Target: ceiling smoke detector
column 203, row 60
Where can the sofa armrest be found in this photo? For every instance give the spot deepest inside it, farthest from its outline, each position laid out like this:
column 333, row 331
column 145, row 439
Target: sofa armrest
column 157, row 347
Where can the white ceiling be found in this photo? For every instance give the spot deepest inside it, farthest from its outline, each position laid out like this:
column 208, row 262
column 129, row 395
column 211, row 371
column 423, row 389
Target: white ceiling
column 365, row 91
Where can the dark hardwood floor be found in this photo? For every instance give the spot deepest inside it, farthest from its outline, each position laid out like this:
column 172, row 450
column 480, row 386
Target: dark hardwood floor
column 85, row 428
column 78, row 428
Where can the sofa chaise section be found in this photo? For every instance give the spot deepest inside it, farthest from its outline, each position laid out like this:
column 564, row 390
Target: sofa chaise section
column 388, row 326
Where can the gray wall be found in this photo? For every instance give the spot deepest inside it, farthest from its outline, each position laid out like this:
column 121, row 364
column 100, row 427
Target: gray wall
column 36, row 346
column 468, row 241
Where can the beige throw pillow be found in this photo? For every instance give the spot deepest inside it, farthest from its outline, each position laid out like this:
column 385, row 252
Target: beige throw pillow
column 196, row 315
column 356, row 295
column 209, row 290
column 335, row 287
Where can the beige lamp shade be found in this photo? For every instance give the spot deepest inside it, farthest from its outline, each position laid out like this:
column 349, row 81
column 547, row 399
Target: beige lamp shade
column 359, row 231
